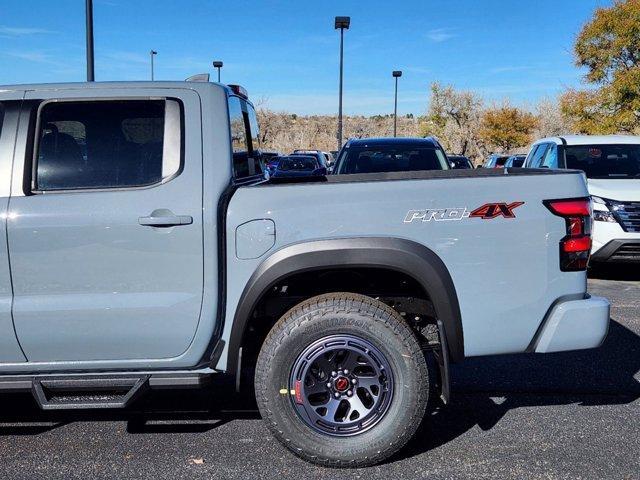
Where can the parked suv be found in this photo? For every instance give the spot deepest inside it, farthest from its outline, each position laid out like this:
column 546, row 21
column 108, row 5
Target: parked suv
column 322, row 158
column 515, row 161
column 459, row 161
column 298, row 166
column 611, row 164
column 142, row 247
column 374, row 155
column 495, row 161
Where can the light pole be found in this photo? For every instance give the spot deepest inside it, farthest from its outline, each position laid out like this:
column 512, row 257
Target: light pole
column 218, row 64
column 343, row 24
column 396, row 74
column 152, row 53
column 89, row 34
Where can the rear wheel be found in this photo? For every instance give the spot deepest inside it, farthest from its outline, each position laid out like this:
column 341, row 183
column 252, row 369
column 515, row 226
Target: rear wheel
column 341, row 380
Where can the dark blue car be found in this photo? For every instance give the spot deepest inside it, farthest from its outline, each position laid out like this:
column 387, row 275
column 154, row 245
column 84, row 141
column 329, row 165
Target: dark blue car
column 298, row 166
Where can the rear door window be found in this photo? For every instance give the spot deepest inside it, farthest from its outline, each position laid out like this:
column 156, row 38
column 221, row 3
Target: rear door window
column 107, row 144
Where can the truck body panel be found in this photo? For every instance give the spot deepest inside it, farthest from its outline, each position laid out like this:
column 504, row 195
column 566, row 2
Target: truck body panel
column 505, row 270
column 9, row 348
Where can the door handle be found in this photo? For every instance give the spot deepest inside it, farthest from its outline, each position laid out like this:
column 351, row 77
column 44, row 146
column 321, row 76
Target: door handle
column 165, row 218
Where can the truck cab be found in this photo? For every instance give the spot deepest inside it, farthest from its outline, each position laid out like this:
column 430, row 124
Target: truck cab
column 107, row 221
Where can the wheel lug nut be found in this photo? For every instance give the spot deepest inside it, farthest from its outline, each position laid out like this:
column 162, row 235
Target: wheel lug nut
column 354, row 381
column 349, row 393
column 337, row 395
column 346, row 372
column 329, row 385
column 334, row 374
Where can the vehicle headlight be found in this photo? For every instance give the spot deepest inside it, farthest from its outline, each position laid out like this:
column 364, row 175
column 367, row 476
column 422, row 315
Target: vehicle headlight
column 602, row 216
column 601, row 212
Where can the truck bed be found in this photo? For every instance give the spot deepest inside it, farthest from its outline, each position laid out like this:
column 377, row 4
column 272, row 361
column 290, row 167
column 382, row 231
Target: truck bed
column 505, row 270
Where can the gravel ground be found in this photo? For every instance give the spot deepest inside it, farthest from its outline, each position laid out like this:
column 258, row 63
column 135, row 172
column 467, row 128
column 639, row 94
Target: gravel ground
column 570, row 415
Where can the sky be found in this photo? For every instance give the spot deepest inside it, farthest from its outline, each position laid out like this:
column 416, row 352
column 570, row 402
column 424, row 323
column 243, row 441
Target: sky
column 285, row 53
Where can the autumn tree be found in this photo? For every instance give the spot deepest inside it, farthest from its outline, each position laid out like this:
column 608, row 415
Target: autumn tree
column 454, row 117
column 507, row 127
column 609, row 48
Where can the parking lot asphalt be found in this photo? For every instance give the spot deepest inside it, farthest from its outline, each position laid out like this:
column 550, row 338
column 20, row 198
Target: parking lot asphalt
column 566, row 415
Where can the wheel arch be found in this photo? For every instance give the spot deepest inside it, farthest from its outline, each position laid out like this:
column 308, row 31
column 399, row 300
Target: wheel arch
column 402, row 255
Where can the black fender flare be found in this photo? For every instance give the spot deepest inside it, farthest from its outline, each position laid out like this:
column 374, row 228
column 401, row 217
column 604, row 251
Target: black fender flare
column 406, row 256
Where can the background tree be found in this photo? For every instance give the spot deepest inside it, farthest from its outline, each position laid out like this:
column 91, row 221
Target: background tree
column 454, row 117
column 507, row 127
column 609, row 48
column 284, row 131
column 551, row 121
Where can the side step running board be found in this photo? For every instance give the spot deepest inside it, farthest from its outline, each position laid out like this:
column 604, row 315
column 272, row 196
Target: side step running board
column 88, row 392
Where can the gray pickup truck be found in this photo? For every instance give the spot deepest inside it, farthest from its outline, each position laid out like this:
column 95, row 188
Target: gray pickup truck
column 143, row 248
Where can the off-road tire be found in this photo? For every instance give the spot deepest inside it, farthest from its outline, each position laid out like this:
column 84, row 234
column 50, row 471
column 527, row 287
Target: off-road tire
column 342, row 314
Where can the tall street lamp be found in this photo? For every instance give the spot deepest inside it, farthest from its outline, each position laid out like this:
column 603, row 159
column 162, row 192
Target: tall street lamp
column 218, row 64
column 89, row 34
column 152, row 53
column 343, row 24
column 396, row 74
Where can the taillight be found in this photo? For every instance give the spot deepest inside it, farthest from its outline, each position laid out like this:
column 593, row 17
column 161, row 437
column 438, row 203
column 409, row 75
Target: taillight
column 576, row 245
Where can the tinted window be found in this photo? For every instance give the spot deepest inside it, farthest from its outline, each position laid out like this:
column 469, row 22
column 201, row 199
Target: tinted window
column 239, row 142
column 297, row 163
column 254, row 130
column 391, row 158
column 517, row 162
column 460, row 162
column 109, row 144
column 316, row 155
column 605, row 161
column 245, row 138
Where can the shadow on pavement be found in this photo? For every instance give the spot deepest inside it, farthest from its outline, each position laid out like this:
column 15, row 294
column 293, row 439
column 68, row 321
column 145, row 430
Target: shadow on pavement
column 485, row 389
column 160, row 412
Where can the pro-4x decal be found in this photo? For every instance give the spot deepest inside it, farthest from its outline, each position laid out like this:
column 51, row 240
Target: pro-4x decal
column 493, row 210
column 486, row 212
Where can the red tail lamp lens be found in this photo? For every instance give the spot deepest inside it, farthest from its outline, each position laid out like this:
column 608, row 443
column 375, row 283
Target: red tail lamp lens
column 579, row 244
column 576, row 245
column 570, row 208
